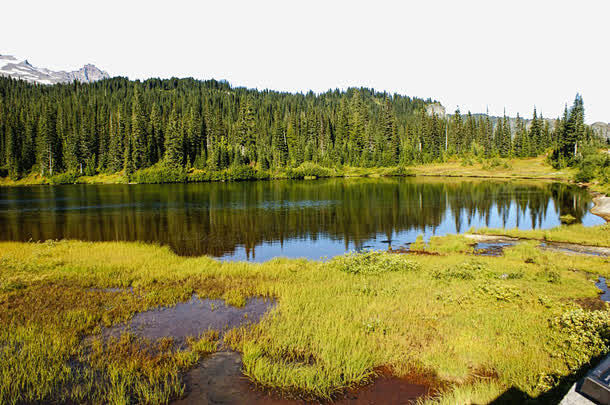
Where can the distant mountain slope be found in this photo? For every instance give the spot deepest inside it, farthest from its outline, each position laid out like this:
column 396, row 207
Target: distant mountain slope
column 602, row 129
column 22, row 69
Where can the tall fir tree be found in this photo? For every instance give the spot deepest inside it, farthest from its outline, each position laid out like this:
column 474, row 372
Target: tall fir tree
column 138, row 132
column 173, row 141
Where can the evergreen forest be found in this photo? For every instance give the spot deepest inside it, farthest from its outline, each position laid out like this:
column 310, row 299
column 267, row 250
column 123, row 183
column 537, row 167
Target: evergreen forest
column 118, row 125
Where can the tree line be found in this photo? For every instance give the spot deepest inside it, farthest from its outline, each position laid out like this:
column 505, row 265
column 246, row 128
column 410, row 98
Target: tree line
column 120, row 125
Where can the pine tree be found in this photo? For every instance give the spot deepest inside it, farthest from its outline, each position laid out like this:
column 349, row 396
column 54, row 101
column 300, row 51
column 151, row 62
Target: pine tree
column 456, row 135
column 389, row 135
column 279, row 142
column 12, row 153
column 173, row 141
column 535, row 135
column 245, row 131
column 138, row 132
column 128, row 165
column 357, row 127
column 48, row 151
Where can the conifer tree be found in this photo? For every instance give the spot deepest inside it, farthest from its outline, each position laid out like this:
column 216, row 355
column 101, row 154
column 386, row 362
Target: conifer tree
column 138, row 132
column 128, row 165
column 279, row 143
column 173, row 141
column 535, row 135
column 48, row 151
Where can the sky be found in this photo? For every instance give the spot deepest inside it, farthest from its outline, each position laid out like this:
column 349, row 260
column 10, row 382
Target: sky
column 478, row 55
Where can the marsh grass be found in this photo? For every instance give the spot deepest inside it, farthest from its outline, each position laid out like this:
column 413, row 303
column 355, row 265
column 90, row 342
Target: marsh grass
column 334, row 325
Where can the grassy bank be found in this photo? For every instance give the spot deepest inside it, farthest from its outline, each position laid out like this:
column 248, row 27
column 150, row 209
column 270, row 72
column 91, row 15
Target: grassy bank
column 531, row 168
column 526, row 168
column 162, row 174
column 578, row 234
column 478, row 326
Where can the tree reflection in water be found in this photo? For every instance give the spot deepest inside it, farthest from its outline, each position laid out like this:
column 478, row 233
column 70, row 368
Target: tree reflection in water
column 289, row 218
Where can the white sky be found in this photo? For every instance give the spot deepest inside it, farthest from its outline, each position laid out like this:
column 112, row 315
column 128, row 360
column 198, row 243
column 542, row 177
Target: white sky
column 504, row 54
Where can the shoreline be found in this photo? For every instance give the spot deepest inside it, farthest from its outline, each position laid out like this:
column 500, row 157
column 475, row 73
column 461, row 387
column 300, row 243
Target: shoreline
column 371, row 175
column 511, row 169
column 601, row 205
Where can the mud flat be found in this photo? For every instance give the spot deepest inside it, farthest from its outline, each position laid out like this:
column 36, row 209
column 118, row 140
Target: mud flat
column 218, row 379
column 495, row 242
column 575, row 249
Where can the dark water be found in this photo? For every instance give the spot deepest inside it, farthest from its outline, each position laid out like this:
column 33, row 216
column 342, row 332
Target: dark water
column 261, row 220
column 192, row 318
column 603, row 286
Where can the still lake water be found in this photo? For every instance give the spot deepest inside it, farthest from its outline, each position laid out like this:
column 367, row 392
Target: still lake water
column 264, row 219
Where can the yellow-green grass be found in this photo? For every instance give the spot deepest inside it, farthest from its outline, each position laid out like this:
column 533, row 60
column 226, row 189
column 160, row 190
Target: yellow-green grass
column 529, row 168
column 103, row 178
column 517, row 168
column 577, row 233
column 481, row 325
column 31, row 179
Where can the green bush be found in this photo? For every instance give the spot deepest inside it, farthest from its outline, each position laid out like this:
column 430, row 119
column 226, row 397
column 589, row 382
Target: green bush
column 582, row 335
column 398, row 171
column 160, row 174
column 495, row 163
column 373, row 262
column 464, row 271
column 467, row 161
column 309, row 170
column 64, row 178
column 586, row 173
column 241, row 172
column 235, row 173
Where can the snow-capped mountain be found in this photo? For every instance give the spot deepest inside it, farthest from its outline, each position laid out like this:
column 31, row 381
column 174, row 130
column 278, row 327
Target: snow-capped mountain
column 22, row 69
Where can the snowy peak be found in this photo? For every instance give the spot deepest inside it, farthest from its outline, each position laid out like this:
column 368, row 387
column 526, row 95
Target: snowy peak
column 21, row 69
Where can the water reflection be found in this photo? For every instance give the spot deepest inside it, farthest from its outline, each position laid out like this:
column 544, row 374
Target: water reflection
column 260, row 220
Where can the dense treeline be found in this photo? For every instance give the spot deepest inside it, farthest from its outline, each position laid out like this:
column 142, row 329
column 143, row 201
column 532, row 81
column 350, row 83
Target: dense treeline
column 120, row 125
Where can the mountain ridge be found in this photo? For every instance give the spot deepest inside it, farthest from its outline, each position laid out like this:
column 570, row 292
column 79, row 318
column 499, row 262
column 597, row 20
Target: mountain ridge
column 11, row 66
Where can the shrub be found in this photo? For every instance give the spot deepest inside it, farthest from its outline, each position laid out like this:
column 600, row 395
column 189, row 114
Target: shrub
column 419, row 244
column 234, row 173
column 241, row 172
column 467, row 161
column 398, row 171
column 494, row 164
column 309, row 170
column 463, row 271
column 160, row 174
column 64, row 178
column 373, row 262
column 582, row 335
column 567, row 219
column 586, row 173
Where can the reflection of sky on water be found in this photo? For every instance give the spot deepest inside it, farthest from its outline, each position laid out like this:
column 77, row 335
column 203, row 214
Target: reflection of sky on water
column 324, row 247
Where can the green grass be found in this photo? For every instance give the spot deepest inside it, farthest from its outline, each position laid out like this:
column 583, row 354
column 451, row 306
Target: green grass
column 578, row 234
column 452, row 316
column 162, row 174
column 526, row 168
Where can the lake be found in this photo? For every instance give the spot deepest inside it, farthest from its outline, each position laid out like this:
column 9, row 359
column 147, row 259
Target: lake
column 293, row 218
